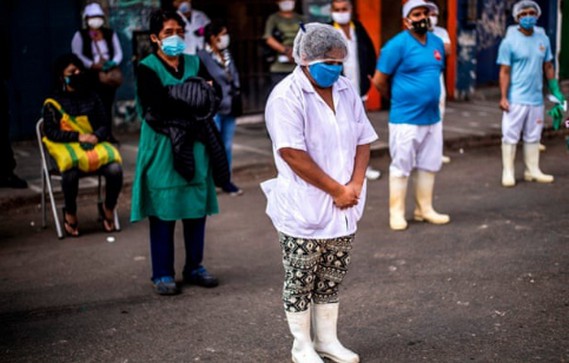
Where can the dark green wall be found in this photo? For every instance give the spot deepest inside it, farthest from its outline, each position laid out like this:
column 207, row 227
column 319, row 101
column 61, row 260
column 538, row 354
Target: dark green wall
column 564, row 58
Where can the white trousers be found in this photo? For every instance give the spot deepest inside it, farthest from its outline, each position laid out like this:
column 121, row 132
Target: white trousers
column 522, row 120
column 414, row 146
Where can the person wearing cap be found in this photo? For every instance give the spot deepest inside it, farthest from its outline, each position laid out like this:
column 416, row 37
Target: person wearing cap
column 443, row 34
column 321, row 143
column 408, row 72
column 99, row 49
column 280, row 30
column 524, row 56
column 195, row 22
column 360, row 62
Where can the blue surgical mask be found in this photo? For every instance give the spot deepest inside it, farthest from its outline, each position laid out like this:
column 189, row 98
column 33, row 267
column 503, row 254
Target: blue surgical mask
column 325, row 75
column 173, row 45
column 528, row 22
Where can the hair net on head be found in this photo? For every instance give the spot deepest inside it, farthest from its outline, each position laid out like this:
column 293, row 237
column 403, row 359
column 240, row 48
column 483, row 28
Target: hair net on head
column 520, row 5
column 314, row 42
column 93, row 9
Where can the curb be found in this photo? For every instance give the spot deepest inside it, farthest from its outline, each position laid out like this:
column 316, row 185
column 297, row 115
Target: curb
column 254, row 170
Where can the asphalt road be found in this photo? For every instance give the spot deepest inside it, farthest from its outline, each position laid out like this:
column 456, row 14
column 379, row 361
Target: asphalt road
column 492, row 286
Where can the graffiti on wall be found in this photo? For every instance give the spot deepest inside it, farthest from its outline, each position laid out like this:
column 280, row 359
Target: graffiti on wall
column 128, row 17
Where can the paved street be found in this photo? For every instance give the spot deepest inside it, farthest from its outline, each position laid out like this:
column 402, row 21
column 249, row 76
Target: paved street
column 492, row 286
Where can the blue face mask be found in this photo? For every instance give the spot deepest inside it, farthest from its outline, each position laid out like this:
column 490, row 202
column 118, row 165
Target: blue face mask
column 173, row 46
column 528, row 22
column 325, row 74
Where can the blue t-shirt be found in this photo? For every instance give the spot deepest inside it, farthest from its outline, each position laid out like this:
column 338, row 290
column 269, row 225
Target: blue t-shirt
column 415, row 71
column 525, row 55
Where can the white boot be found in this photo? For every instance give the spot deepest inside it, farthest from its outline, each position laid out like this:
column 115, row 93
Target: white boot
column 302, row 347
column 397, row 193
column 531, row 159
column 424, row 185
column 508, row 170
column 326, row 341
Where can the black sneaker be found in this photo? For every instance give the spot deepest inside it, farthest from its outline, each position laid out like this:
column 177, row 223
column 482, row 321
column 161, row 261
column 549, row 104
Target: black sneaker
column 165, row 286
column 201, row 277
column 232, row 189
column 12, row 181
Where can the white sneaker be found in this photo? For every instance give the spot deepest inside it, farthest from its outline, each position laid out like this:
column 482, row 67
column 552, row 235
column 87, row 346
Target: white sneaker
column 372, row 174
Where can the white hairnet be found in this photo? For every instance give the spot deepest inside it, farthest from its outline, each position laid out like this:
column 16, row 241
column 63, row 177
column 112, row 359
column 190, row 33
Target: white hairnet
column 520, row 5
column 315, row 41
column 93, row 9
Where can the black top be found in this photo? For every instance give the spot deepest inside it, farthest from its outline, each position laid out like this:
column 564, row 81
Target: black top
column 75, row 104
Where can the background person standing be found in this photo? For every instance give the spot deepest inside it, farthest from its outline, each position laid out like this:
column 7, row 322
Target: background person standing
column 218, row 61
column 360, row 62
column 194, row 28
column 280, row 30
column 99, row 49
column 408, row 72
column 524, row 56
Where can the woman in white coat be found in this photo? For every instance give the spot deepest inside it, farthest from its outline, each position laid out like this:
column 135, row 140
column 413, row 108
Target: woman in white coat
column 321, row 140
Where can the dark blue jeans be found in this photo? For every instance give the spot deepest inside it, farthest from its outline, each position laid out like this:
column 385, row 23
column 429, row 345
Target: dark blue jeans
column 162, row 245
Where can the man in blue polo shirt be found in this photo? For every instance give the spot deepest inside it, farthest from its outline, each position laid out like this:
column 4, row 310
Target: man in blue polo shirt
column 408, row 72
column 524, row 56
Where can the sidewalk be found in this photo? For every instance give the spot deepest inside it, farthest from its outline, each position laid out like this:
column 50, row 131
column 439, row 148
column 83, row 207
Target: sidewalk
column 467, row 125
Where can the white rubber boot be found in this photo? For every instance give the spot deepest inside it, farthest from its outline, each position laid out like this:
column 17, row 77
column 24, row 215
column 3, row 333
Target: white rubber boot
column 326, row 341
column 508, row 169
column 531, row 159
column 302, row 347
column 397, row 193
column 424, row 185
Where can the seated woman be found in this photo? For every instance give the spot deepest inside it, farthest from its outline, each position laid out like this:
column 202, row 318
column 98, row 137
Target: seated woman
column 76, row 98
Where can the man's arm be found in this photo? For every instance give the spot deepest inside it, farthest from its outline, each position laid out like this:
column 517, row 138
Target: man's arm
column 504, row 86
column 381, row 82
column 549, row 70
column 303, row 165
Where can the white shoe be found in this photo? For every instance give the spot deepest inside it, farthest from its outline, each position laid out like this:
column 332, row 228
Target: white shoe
column 397, row 193
column 302, row 347
column 508, row 170
column 326, row 341
column 531, row 159
column 424, row 212
column 372, row 174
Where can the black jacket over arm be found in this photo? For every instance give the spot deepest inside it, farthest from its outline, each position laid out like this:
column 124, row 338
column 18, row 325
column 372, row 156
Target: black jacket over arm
column 184, row 113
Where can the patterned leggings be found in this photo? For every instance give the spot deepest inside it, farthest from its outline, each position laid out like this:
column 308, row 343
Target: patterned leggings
column 314, row 270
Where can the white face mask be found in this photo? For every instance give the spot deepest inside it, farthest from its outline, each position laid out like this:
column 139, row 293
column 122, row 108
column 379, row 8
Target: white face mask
column 185, row 7
column 223, row 42
column 286, row 5
column 434, row 21
column 342, row 18
column 95, row 23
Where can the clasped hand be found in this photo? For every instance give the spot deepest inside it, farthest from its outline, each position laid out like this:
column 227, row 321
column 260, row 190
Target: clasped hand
column 88, row 138
column 348, row 196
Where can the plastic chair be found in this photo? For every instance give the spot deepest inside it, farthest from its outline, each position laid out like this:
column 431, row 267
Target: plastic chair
column 50, row 172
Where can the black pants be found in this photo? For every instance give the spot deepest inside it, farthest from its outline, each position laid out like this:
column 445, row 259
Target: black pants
column 162, row 245
column 70, row 186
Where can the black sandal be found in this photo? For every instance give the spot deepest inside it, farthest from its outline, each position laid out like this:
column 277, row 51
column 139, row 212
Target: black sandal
column 108, row 223
column 70, row 228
